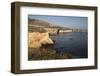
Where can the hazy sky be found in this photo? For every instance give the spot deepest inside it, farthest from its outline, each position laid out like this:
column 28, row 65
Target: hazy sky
column 65, row 21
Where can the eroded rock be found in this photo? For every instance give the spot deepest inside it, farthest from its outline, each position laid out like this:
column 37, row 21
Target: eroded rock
column 36, row 39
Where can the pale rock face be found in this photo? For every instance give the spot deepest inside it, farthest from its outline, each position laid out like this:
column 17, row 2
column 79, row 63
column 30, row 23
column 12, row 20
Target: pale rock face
column 36, row 39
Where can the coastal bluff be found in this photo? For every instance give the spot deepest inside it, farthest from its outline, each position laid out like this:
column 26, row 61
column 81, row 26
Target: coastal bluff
column 39, row 32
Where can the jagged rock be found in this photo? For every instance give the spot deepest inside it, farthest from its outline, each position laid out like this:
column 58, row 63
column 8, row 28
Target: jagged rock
column 36, row 39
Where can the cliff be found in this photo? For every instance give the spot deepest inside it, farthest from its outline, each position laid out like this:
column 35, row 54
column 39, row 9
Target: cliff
column 37, row 39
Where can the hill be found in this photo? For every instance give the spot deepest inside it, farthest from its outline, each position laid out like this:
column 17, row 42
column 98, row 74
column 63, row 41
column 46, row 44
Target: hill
column 38, row 23
column 42, row 23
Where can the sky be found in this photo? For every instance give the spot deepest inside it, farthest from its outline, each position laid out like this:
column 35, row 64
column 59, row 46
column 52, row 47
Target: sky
column 64, row 21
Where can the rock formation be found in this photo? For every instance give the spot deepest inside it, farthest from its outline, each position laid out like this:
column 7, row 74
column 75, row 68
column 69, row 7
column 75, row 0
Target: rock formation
column 37, row 39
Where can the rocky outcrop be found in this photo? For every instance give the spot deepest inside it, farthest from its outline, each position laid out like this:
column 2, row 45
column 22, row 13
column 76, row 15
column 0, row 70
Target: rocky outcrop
column 37, row 39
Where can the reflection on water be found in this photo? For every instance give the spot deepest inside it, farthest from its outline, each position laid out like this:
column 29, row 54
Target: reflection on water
column 75, row 43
